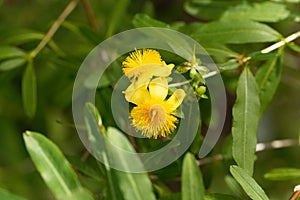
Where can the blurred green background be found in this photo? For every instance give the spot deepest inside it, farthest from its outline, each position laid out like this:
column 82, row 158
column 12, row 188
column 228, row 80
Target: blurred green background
column 55, row 77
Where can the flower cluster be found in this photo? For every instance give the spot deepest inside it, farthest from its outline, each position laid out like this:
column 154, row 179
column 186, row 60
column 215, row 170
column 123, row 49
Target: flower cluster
column 153, row 113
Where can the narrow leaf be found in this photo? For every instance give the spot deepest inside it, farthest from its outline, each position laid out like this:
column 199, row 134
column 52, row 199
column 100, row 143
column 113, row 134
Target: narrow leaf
column 235, row 32
column 206, row 9
column 249, row 185
column 268, row 78
column 7, row 52
column 6, row 195
column 143, row 20
column 12, row 63
column 192, row 186
column 116, row 17
column 134, row 186
column 294, row 47
column 262, row 11
column 56, row 171
column 22, row 37
column 29, row 90
column 282, row 174
column 245, row 121
column 97, row 139
column 220, row 197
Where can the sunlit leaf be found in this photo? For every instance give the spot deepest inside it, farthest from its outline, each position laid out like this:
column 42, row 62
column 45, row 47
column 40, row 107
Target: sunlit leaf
column 134, row 186
column 268, row 78
column 281, row 174
column 143, row 20
column 12, row 63
column 55, row 170
column 6, row 195
column 235, row 32
column 29, row 90
column 192, row 187
column 250, row 186
column 97, row 138
column 245, row 121
column 262, row 11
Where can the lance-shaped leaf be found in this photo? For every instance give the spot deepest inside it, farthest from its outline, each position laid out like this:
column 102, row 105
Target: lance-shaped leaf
column 245, row 121
column 29, row 90
column 97, row 138
column 281, row 174
column 235, row 32
column 55, row 170
column 192, row 186
column 253, row 190
column 134, row 186
column 268, row 78
column 6, row 195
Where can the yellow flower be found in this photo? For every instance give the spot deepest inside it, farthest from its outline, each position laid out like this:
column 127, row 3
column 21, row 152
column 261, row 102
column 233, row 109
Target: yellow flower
column 153, row 115
column 142, row 65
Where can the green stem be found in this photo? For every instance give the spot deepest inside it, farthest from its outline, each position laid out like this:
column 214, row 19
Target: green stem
column 67, row 11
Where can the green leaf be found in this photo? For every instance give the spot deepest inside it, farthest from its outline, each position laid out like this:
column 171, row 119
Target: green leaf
column 245, row 121
column 23, row 36
column 282, row 174
column 207, row 9
column 116, row 17
column 82, row 31
column 12, row 63
column 293, row 46
column 29, row 90
column 234, row 186
column 134, row 186
column 143, row 20
column 235, row 32
column 268, row 78
column 7, row 52
column 219, row 50
column 6, row 195
column 220, row 197
column 56, row 171
column 97, row 138
column 173, row 196
column 263, row 11
column 249, row 185
column 192, row 187
column 229, row 65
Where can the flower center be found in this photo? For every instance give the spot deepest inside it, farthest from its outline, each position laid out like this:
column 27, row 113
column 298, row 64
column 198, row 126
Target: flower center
column 157, row 115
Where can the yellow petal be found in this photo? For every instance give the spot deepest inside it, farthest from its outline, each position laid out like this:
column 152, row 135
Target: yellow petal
column 136, row 95
column 176, row 99
column 158, row 88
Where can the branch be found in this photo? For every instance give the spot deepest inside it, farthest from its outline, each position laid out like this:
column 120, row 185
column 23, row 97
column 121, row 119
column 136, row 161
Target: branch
column 90, row 14
column 277, row 45
column 276, row 144
column 67, row 11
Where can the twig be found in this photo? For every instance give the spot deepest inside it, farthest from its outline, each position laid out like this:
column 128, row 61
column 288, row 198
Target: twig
column 90, row 14
column 273, row 47
column 70, row 7
column 277, row 45
column 276, row 144
column 296, row 193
